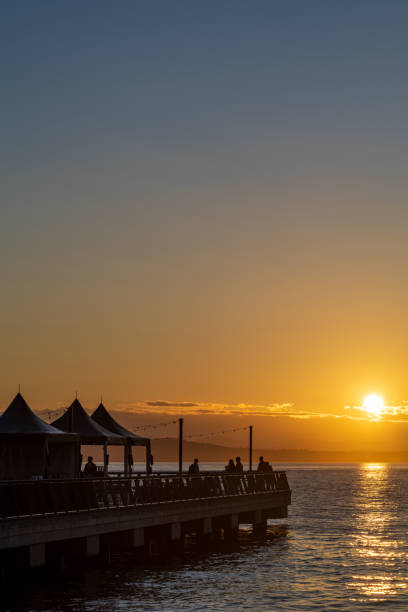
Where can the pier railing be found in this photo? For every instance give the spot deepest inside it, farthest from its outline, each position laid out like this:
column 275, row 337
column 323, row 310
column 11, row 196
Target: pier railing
column 41, row 497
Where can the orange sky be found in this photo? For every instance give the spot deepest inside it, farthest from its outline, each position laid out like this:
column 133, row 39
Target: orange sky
column 211, row 212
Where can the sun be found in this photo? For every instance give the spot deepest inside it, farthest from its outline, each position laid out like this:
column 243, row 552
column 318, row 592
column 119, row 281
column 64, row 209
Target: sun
column 373, row 404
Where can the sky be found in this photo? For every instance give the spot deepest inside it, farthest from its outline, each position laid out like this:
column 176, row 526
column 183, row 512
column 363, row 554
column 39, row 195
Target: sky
column 203, row 208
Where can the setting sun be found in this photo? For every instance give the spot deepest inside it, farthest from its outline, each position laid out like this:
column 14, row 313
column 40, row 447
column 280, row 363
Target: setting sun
column 373, row 404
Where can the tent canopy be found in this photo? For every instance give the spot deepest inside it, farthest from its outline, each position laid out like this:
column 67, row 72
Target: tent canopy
column 20, row 420
column 103, row 418
column 90, row 432
column 31, row 448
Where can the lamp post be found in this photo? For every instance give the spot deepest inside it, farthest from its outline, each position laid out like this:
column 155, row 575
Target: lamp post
column 250, row 448
column 180, row 446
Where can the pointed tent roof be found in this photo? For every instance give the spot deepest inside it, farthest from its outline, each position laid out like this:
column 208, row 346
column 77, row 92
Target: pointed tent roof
column 90, row 432
column 20, row 420
column 102, row 417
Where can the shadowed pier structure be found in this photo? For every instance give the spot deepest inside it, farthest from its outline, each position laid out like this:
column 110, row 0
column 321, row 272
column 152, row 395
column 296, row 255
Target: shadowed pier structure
column 49, row 513
column 42, row 519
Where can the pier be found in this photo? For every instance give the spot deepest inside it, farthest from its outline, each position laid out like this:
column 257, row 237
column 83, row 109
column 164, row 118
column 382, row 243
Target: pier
column 50, row 511
column 43, row 521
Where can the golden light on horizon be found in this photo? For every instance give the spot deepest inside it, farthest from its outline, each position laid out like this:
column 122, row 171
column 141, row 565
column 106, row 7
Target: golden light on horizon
column 374, row 466
column 373, row 404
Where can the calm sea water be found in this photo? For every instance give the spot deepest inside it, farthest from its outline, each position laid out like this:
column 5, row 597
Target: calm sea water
column 344, row 546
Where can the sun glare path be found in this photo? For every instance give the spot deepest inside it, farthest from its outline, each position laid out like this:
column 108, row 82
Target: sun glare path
column 373, row 404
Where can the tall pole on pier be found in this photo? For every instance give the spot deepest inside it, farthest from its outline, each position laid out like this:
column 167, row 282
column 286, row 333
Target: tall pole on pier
column 70, row 419
column 180, row 446
column 105, row 459
column 250, row 448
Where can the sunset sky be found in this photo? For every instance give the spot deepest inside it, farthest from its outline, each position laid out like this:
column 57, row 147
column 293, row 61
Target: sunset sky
column 204, row 213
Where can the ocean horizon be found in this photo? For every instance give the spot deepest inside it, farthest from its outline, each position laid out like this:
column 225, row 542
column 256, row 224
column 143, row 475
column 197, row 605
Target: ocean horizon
column 219, row 466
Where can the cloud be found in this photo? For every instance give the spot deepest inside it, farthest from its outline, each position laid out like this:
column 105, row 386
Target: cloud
column 397, row 413
column 163, row 403
column 186, row 408
column 191, row 408
column 391, row 414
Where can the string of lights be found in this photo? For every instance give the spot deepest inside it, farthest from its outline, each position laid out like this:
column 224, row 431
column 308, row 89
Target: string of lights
column 217, row 433
column 53, row 413
column 143, row 427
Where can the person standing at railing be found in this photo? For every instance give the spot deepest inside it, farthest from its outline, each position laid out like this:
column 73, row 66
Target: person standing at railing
column 194, row 467
column 269, row 477
column 230, row 467
column 90, row 469
column 239, row 468
column 262, row 465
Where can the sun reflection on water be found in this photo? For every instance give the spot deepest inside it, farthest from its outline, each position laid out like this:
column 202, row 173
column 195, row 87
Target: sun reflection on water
column 375, row 546
column 374, row 466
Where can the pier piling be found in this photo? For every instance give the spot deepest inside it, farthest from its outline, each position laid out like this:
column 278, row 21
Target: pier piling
column 175, row 531
column 138, row 538
column 92, row 546
column 36, row 555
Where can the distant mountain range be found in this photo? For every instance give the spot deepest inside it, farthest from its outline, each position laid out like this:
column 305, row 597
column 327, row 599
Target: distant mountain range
column 166, row 449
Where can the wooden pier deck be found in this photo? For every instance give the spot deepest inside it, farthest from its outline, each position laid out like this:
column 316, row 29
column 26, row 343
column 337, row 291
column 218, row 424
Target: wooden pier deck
column 38, row 516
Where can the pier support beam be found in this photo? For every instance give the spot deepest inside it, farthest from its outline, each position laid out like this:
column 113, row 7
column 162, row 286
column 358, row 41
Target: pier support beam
column 205, row 533
column 92, row 546
column 175, row 531
column 234, row 521
column 36, row 555
column 138, row 538
column 230, row 527
column 260, row 523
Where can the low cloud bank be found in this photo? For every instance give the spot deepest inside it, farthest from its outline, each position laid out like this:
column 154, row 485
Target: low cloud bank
column 397, row 413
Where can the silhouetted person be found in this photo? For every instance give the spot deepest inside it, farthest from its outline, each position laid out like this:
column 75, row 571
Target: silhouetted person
column 90, row 468
column 261, row 465
column 230, row 468
column 194, row 467
column 130, row 462
column 268, row 467
column 239, row 468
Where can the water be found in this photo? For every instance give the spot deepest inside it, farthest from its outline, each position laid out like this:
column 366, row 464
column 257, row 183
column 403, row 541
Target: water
column 344, row 546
